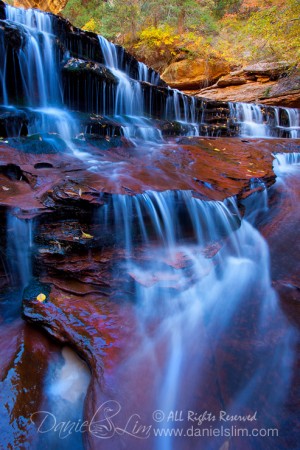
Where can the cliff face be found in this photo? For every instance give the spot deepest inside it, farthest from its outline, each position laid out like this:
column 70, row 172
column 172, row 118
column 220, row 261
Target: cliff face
column 267, row 83
column 259, row 84
column 54, row 6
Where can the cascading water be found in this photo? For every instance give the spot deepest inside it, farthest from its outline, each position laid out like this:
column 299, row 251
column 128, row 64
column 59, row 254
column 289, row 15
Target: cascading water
column 19, row 249
column 285, row 160
column 40, row 75
column 129, row 106
column 262, row 121
column 3, row 70
column 196, row 267
column 38, row 57
column 180, row 109
column 132, row 100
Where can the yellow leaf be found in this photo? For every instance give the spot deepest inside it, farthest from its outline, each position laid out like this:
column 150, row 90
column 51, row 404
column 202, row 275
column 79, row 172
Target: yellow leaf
column 41, row 297
column 86, row 235
column 216, row 150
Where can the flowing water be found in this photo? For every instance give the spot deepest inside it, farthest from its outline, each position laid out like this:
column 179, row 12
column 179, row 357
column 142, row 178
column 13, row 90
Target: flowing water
column 201, row 278
column 40, row 90
column 261, row 121
column 19, row 249
column 209, row 328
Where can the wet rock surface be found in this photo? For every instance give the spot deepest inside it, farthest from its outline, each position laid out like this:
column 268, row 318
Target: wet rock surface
column 212, row 168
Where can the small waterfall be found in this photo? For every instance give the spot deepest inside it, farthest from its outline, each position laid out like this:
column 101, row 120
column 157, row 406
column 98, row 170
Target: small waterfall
column 265, row 121
column 129, row 99
column 109, row 53
column 181, row 108
column 144, row 74
column 166, row 218
column 285, row 159
column 19, row 249
column 285, row 163
column 251, row 119
column 38, row 60
column 37, row 57
column 129, row 107
column 257, row 203
column 294, row 122
column 3, row 70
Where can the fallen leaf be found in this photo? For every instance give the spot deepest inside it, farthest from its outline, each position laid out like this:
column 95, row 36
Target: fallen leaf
column 41, row 297
column 86, row 235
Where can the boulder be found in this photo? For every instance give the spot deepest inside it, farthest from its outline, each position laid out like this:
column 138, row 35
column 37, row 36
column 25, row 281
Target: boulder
column 188, row 74
column 283, row 92
column 273, row 70
column 231, row 80
column 79, row 66
column 54, row 6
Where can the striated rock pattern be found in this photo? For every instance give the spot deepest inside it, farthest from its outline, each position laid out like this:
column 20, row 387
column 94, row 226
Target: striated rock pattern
column 269, row 86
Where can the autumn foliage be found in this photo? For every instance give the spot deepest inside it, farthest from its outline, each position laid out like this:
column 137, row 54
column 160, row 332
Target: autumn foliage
column 159, row 32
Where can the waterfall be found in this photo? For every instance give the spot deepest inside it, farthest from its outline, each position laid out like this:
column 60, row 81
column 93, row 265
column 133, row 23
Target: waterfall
column 182, row 284
column 40, row 74
column 38, row 57
column 294, row 122
column 3, row 70
column 180, row 109
column 286, row 162
column 129, row 107
column 51, row 88
column 257, row 203
column 166, row 218
column 265, row 121
column 200, row 272
column 19, row 249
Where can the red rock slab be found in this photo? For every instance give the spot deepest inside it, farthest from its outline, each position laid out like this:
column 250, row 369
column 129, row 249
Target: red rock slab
column 25, row 193
column 212, row 168
column 17, row 194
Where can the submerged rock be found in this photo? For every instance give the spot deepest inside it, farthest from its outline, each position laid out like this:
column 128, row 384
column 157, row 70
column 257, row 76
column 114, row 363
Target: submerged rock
column 42, row 143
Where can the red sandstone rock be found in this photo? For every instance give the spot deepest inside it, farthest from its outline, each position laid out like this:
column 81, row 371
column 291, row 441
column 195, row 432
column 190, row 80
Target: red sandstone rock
column 213, row 168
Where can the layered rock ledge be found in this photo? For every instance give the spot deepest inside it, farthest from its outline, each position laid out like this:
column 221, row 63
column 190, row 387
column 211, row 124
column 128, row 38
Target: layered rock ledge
column 212, row 168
